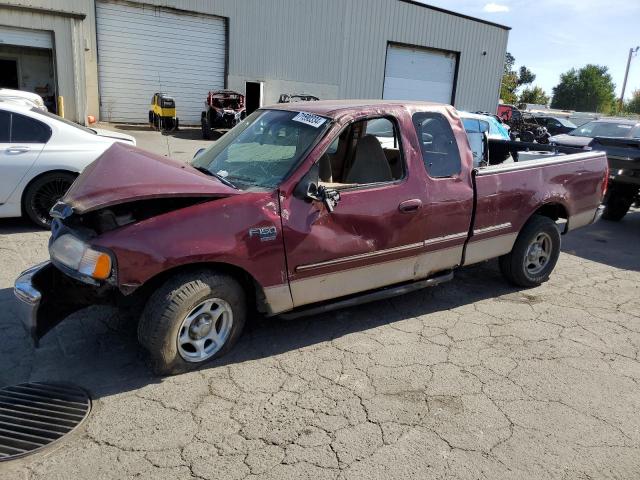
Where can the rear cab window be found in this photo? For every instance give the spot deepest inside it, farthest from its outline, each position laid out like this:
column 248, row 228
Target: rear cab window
column 438, row 145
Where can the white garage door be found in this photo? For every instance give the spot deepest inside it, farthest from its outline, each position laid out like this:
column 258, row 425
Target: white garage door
column 419, row 74
column 143, row 50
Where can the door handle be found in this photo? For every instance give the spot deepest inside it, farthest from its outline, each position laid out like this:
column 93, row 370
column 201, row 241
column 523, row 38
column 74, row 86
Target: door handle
column 17, row 149
column 410, row 206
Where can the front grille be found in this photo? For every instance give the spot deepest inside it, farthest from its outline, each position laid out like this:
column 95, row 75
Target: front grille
column 34, row 415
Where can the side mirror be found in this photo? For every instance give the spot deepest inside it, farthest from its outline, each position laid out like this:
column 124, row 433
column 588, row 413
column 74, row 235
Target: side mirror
column 309, row 190
column 198, row 152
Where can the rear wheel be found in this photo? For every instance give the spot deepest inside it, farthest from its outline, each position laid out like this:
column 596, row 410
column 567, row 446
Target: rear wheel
column 534, row 254
column 43, row 193
column 192, row 319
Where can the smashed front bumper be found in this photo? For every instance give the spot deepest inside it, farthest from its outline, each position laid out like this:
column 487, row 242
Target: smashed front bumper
column 46, row 296
column 29, row 298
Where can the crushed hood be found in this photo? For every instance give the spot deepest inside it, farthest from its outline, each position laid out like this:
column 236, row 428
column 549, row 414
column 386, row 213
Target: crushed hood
column 124, row 173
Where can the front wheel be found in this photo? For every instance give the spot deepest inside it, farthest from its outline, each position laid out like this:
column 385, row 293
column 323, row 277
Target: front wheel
column 192, row 319
column 534, row 254
column 43, row 194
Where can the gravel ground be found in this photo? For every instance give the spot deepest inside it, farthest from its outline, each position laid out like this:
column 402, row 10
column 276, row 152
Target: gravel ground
column 472, row 379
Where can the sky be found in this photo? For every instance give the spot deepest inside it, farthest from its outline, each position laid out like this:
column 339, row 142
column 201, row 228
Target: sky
column 552, row 36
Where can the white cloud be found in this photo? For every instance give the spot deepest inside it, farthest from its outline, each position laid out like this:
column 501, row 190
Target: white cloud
column 495, row 8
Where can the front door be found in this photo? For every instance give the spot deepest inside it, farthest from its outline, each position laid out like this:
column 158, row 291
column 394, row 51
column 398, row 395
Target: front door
column 374, row 236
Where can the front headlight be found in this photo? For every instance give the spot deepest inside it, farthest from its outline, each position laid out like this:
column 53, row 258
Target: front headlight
column 77, row 255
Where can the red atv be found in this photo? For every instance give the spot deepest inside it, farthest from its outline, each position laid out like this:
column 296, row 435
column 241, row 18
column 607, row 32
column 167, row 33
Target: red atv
column 223, row 109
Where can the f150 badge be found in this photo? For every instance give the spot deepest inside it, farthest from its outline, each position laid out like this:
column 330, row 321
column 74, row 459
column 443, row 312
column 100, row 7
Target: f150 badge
column 265, row 234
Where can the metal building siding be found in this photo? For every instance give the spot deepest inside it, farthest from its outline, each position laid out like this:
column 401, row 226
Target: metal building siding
column 336, row 42
column 478, row 76
column 344, row 43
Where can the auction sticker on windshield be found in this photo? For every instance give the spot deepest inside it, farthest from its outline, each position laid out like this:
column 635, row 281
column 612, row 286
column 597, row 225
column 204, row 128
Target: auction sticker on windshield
column 309, row 119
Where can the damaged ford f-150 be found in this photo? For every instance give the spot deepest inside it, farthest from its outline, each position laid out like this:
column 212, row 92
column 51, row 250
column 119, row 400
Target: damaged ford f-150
column 301, row 208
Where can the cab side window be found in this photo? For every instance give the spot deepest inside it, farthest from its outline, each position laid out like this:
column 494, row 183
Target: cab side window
column 365, row 152
column 438, row 144
column 28, row 130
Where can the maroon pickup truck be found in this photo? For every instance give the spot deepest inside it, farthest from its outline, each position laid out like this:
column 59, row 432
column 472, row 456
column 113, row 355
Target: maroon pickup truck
column 301, row 208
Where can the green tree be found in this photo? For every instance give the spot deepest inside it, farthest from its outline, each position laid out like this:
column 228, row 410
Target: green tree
column 589, row 89
column 511, row 79
column 633, row 105
column 525, row 76
column 534, row 95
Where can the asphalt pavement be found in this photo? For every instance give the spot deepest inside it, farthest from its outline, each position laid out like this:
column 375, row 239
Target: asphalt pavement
column 473, row 379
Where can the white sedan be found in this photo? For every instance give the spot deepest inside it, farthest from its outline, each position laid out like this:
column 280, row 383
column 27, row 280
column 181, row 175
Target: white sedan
column 41, row 154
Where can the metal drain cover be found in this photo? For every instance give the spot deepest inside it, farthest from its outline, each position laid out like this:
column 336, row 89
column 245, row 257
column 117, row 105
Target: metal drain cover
column 34, row 415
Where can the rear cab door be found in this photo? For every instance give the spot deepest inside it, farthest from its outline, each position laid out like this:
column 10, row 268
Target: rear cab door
column 446, row 161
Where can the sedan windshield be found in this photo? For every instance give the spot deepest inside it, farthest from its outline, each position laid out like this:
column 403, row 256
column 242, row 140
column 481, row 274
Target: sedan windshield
column 603, row 129
column 263, row 148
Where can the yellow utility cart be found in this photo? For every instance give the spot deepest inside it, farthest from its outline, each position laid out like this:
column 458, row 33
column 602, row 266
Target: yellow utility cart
column 162, row 113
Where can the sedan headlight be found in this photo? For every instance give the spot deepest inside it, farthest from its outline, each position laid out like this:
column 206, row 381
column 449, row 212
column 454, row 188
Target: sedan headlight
column 77, row 255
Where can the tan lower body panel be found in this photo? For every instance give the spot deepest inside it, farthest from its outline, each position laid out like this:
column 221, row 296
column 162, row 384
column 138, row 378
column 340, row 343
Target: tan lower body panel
column 356, row 280
column 278, row 299
column 581, row 219
column 480, row 250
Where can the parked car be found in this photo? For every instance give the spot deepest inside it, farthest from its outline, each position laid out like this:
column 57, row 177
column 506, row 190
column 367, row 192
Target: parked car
column 555, row 125
column 481, row 128
column 294, row 213
column 24, row 98
column 41, row 154
column 297, row 97
column 223, row 109
column 624, row 174
column 606, row 127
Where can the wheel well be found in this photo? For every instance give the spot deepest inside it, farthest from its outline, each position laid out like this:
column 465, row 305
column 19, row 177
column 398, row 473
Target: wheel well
column 253, row 290
column 554, row 211
column 48, row 172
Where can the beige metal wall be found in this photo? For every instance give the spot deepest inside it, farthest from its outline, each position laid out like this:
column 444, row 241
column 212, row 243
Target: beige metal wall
column 331, row 48
column 69, row 35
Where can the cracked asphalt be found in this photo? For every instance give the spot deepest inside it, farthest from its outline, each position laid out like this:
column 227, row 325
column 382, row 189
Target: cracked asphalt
column 473, row 379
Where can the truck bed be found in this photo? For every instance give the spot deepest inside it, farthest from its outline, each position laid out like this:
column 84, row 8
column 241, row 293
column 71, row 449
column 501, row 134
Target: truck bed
column 506, row 195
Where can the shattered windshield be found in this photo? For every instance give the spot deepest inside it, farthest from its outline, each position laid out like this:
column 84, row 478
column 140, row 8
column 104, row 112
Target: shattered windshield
column 262, row 149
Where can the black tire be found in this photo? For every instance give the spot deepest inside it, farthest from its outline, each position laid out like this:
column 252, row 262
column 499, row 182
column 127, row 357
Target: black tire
column 42, row 194
column 617, row 206
column 163, row 316
column 512, row 265
column 206, row 129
